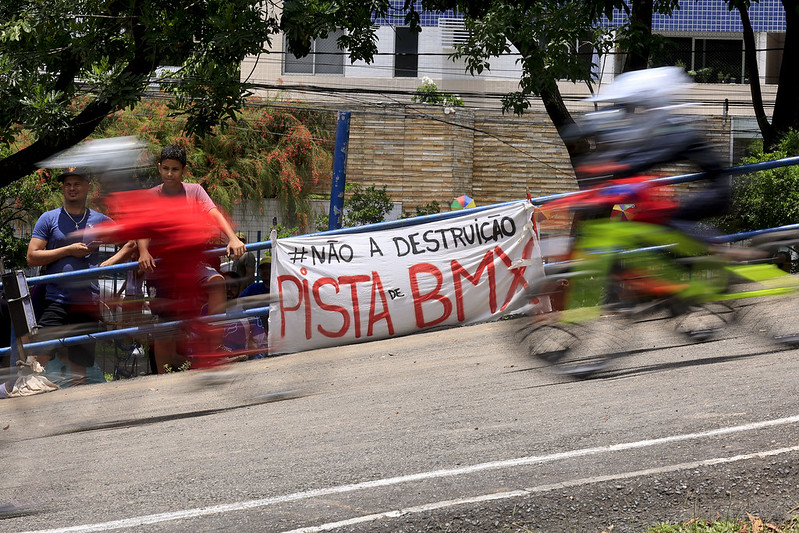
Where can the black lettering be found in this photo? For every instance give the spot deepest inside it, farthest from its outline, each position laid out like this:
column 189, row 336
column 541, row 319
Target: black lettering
column 508, row 226
column 346, row 253
column 395, row 293
column 405, row 249
column 443, row 238
column 470, row 234
column 486, row 238
column 374, row 248
column 331, row 253
column 318, row 255
column 497, row 228
column 431, row 241
column 415, row 244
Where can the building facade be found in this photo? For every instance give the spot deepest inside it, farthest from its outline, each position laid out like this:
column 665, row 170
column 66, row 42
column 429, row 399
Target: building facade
column 703, row 36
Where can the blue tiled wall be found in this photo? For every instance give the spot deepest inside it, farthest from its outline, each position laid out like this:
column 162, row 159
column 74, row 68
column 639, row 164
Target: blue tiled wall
column 713, row 15
column 428, row 18
column 693, row 15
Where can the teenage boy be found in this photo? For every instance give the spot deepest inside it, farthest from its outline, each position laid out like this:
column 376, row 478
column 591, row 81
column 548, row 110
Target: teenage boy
column 172, row 169
column 176, row 289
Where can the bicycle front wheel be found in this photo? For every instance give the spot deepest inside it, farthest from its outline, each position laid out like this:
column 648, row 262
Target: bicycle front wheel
column 576, row 349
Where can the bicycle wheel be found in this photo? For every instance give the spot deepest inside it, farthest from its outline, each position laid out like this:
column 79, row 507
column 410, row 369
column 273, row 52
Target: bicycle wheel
column 773, row 317
column 579, row 350
column 702, row 321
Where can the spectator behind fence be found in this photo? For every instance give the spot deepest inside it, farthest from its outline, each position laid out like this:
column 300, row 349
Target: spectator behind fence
column 258, row 324
column 56, row 245
column 244, row 266
column 262, row 286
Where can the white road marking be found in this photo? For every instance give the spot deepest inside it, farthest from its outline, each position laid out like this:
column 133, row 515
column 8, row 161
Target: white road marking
column 543, row 488
column 493, row 465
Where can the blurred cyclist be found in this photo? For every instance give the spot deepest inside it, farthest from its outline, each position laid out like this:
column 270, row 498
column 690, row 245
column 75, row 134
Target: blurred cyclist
column 642, row 130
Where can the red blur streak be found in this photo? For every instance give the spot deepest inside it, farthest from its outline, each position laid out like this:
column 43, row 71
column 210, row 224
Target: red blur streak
column 179, row 234
column 654, row 202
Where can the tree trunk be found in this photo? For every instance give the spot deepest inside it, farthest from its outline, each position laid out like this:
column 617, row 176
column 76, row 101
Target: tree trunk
column 554, row 105
column 750, row 56
column 562, row 120
column 25, row 161
column 786, row 104
column 641, row 25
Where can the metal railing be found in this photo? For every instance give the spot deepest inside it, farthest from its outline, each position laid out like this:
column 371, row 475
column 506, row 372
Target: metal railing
column 139, row 330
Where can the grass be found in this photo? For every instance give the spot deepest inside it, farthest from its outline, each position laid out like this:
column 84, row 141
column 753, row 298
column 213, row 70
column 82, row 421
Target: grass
column 751, row 524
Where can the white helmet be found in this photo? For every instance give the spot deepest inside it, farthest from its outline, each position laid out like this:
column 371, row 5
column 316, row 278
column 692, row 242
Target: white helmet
column 654, row 87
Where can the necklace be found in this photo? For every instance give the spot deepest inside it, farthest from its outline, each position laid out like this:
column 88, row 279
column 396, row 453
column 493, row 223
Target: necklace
column 77, row 222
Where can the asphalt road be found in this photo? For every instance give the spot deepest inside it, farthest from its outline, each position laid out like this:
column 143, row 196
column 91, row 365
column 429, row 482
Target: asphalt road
column 454, row 430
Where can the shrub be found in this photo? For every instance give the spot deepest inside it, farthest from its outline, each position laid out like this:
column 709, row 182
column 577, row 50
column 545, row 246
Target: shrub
column 430, row 208
column 363, row 205
column 428, row 93
column 768, row 198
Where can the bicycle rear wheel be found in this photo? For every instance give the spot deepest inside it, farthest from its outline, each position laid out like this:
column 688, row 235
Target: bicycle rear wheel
column 774, row 318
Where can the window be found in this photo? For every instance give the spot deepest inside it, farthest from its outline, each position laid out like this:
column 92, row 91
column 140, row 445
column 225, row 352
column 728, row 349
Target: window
column 406, row 53
column 775, row 46
column 719, row 60
column 453, row 32
column 325, row 58
column 676, row 51
column 711, row 60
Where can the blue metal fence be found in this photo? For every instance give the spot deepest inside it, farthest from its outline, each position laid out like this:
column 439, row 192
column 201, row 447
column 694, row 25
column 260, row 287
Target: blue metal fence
column 97, row 272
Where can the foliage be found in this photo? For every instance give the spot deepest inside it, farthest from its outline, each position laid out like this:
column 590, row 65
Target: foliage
column 186, row 365
column 768, row 198
column 12, row 249
column 364, row 205
column 270, row 151
column 20, row 203
column 54, row 51
column 547, row 34
column 430, row 208
column 428, row 93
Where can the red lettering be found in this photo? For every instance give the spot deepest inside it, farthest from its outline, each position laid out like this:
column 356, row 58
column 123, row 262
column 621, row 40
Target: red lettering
column 419, row 298
column 356, row 311
column 377, row 289
column 518, row 273
column 283, row 307
column 330, row 307
column 459, row 272
column 307, row 298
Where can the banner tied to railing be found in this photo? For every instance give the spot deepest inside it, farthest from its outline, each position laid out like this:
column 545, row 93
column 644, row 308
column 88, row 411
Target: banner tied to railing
column 340, row 289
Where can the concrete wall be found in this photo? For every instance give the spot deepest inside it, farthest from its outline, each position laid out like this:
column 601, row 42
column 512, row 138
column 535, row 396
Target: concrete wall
column 423, row 153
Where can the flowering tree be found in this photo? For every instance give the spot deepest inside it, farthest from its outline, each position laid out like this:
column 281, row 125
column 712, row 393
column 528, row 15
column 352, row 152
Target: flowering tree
column 20, row 203
column 265, row 151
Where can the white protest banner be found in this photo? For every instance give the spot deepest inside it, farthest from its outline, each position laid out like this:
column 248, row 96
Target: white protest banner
column 339, row 289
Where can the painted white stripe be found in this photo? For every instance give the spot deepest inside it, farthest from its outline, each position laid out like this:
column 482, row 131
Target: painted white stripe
column 543, row 488
column 422, row 476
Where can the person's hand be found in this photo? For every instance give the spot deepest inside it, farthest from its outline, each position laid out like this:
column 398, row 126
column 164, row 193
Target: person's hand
column 236, row 248
column 78, row 249
column 146, row 262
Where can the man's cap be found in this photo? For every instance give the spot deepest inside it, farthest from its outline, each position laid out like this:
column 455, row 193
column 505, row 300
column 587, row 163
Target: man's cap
column 75, row 171
column 267, row 259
